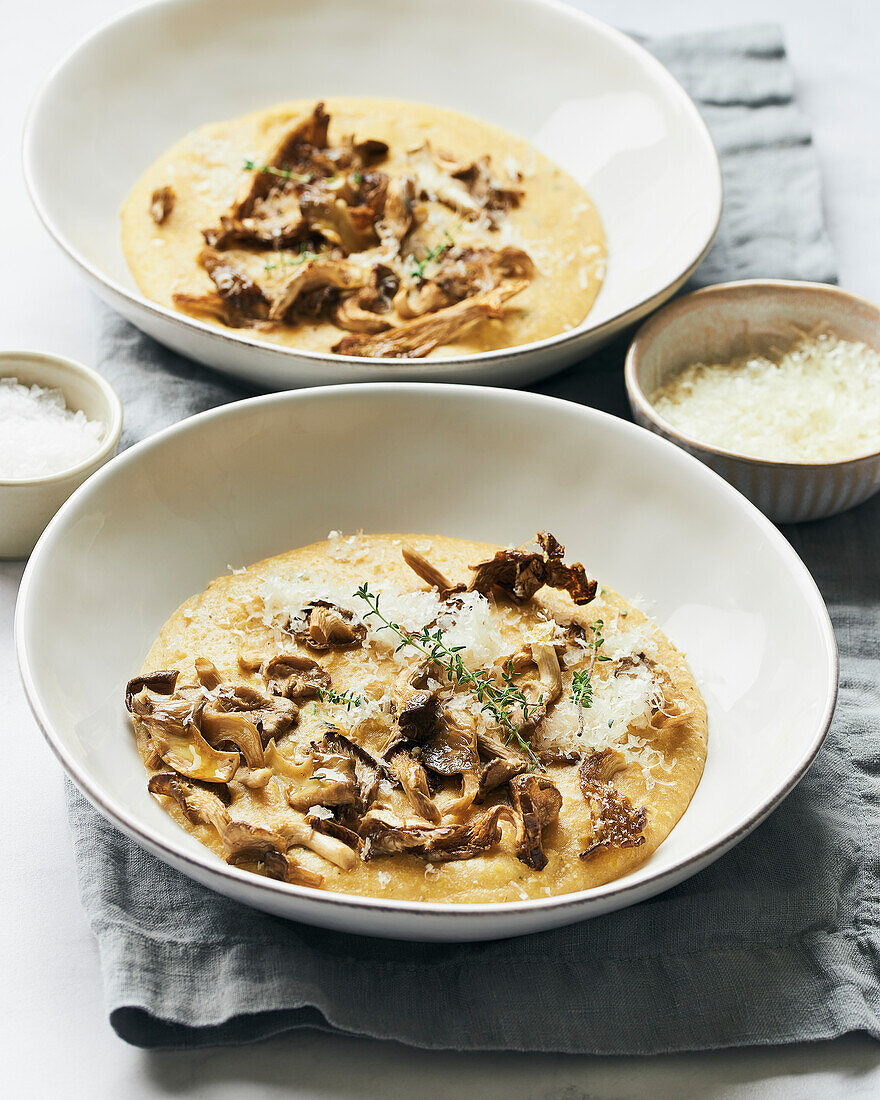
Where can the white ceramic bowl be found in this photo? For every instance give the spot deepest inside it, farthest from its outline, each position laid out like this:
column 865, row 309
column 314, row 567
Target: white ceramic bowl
column 261, row 476
column 585, row 94
column 27, row 504
column 722, row 322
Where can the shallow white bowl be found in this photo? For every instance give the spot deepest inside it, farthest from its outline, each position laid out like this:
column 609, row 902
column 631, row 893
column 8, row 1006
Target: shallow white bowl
column 27, row 504
column 585, row 94
column 258, row 477
column 720, row 323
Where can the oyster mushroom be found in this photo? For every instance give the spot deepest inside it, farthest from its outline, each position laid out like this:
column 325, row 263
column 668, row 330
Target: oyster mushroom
column 415, row 339
column 329, row 627
column 161, row 682
column 173, row 729
column 298, row 831
column 414, row 782
column 199, row 805
column 537, row 802
column 295, row 676
column 398, row 214
column 429, row 573
column 349, row 227
column 384, row 834
column 250, row 844
column 235, row 726
column 312, row 275
column 351, row 316
column 520, row 573
column 616, row 823
column 234, row 285
column 161, row 204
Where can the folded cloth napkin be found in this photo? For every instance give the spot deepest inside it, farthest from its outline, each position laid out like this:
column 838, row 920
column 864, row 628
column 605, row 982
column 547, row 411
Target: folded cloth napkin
column 776, row 942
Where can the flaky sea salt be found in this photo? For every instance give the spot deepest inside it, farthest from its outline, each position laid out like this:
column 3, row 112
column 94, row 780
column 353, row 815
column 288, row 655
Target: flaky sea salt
column 39, row 435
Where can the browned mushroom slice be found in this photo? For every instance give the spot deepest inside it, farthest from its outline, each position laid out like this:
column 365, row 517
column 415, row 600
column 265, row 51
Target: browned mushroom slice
column 291, row 154
column 333, row 782
column 462, row 274
column 435, row 182
column 470, row 840
column 416, row 339
column 161, row 682
column 234, row 285
column 345, row 774
column 173, row 728
column 537, row 801
column 349, row 227
column 329, row 627
column 207, row 673
column 558, row 756
column 426, row 297
column 315, row 274
column 414, row 782
column 219, row 726
column 452, row 751
column 330, row 827
column 199, row 805
column 252, row 845
column 300, row 832
column 488, row 193
column 351, row 316
column 295, row 676
column 520, row 573
column 212, row 307
column 161, row 204
column 384, row 835
column 398, row 214
column 616, row 822
column 273, row 715
column 429, row 573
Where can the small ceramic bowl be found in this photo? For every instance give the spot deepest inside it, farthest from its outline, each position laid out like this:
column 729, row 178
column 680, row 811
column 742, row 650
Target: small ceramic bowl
column 720, row 323
column 27, row 504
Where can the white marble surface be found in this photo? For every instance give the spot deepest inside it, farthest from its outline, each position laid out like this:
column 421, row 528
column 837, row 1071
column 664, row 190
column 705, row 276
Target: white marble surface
column 54, row 1035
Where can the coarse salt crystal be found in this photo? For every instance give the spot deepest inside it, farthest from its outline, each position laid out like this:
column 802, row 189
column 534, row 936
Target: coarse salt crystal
column 39, row 434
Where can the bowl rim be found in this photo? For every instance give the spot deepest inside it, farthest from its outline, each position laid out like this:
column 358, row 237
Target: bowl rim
column 112, row 422
column 208, row 865
column 281, row 353
column 640, row 402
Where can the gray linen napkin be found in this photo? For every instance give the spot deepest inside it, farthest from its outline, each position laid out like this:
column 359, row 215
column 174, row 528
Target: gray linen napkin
column 776, row 942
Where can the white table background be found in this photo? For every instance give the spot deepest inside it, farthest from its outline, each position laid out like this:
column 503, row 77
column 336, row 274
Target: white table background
column 54, row 1034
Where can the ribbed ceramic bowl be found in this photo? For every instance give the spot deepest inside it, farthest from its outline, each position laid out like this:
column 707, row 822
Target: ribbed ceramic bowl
column 27, row 504
column 720, row 323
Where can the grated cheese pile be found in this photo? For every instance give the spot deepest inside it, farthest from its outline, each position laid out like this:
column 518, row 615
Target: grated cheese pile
column 39, row 435
column 819, row 402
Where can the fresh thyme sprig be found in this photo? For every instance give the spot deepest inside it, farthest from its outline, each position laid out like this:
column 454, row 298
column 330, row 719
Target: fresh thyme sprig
column 348, row 699
column 301, row 257
column 418, row 266
column 499, row 702
column 582, row 681
column 281, row 173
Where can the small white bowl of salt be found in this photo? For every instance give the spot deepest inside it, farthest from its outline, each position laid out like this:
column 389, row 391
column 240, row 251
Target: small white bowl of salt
column 59, row 421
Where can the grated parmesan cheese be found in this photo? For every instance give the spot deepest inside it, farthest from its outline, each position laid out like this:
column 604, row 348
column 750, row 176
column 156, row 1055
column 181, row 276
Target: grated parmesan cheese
column 819, row 402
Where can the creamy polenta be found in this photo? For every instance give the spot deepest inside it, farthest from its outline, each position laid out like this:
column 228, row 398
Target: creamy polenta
column 423, row 718
column 366, row 227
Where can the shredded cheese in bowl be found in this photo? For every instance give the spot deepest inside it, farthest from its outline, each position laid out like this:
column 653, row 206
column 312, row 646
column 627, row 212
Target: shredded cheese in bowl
column 819, row 401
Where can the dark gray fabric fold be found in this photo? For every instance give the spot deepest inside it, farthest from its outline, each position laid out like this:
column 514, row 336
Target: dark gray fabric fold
column 776, row 942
